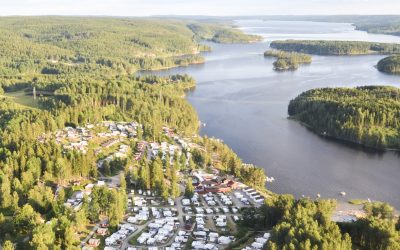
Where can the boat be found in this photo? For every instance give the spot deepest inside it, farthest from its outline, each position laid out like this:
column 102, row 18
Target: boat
column 342, row 193
column 270, row 179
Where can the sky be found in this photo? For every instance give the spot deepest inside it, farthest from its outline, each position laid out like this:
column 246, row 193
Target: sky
column 197, row 7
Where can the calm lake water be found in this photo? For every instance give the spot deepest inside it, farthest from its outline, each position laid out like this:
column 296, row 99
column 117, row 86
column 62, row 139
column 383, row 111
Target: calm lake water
column 244, row 102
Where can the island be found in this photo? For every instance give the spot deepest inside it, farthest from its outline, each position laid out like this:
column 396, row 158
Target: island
column 367, row 115
column 288, row 60
column 390, row 65
column 323, row 47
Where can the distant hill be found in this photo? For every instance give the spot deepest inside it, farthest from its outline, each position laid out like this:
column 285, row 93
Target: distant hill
column 322, row 47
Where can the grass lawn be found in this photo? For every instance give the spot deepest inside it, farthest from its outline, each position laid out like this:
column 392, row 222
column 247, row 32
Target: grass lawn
column 133, row 240
column 22, row 99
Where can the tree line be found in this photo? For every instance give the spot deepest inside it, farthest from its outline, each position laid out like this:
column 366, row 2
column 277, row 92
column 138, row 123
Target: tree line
column 220, row 33
column 66, row 45
column 322, row 47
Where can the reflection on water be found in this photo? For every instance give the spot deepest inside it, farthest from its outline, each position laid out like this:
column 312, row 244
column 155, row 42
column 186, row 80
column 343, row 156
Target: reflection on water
column 244, row 102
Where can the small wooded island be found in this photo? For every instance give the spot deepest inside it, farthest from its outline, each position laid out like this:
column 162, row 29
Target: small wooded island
column 288, row 60
column 367, row 115
column 322, row 47
column 390, row 65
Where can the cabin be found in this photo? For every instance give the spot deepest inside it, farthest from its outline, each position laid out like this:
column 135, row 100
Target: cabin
column 105, row 223
column 102, row 231
column 94, row 242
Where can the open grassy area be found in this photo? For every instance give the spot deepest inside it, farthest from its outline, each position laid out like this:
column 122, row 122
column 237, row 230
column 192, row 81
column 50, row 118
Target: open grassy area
column 133, row 240
column 22, row 99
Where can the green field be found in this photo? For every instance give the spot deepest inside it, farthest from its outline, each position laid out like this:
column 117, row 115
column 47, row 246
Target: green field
column 22, row 100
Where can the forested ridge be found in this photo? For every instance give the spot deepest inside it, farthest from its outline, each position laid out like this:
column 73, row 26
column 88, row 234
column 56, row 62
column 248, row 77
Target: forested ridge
column 111, row 46
column 366, row 115
column 389, row 26
column 377, row 24
column 390, row 65
column 288, row 60
column 322, row 47
column 221, row 33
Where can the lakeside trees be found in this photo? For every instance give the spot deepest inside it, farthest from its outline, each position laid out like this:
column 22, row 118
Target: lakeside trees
column 288, row 60
column 307, row 224
column 322, row 47
column 390, row 65
column 366, row 115
column 297, row 224
column 377, row 230
column 220, row 33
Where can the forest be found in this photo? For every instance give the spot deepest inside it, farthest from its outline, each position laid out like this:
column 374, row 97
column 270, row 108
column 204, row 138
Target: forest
column 390, row 65
column 221, row 33
column 323, row 47
column 367, row 115
column 288, row 60
column 109, row 46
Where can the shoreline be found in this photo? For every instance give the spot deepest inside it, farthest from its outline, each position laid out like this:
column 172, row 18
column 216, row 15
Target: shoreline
column 340, row 201
column 378, row 150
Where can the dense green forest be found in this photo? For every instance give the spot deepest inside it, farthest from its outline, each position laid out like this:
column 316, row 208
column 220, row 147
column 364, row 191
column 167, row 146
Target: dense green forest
column 221, row 34
column 110, row 46
column 390, row 65
column 366, row 115
column 323, row 47
column 288, row 60
column 378, row 230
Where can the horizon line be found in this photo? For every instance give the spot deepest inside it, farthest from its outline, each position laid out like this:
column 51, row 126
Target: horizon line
column 205, row 16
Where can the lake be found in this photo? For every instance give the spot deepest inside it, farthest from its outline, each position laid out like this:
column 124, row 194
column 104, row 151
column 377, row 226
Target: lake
column 244, row 101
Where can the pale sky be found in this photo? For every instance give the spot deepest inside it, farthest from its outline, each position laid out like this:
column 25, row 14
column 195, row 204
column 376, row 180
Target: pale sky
column 197, row 7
